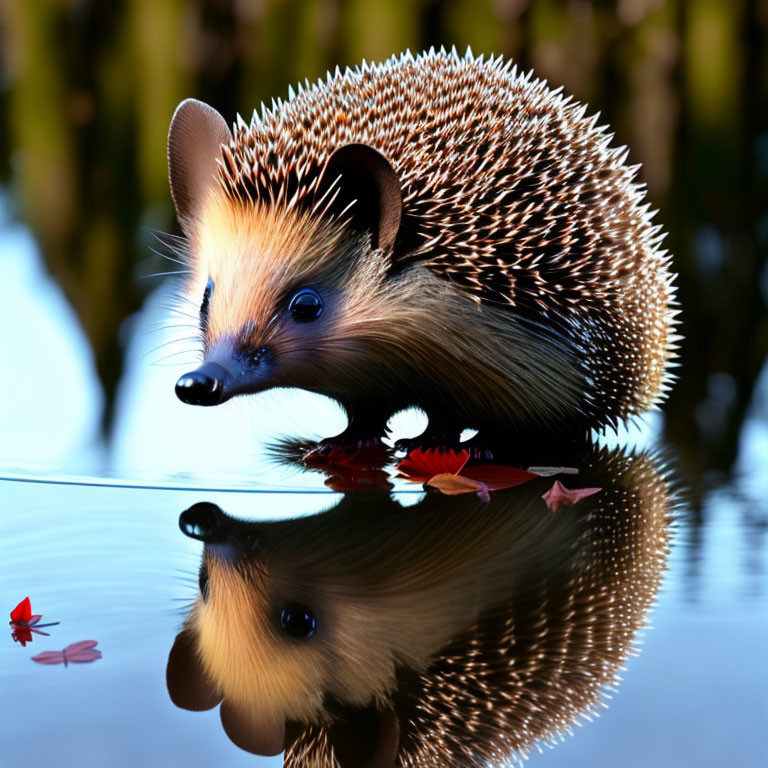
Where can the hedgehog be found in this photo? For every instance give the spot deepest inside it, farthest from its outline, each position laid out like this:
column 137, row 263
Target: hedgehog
column 440, row 232
column 452, row 634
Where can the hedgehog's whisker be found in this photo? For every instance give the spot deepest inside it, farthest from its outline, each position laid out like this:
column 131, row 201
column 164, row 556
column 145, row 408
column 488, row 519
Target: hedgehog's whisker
column 176, row 354
column 165, row 325
column 164, row 274
column 162, row 255
column 182, row 313
column 169, row 343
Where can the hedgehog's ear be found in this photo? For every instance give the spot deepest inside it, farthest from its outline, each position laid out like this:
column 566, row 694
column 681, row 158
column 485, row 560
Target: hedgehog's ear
column 257, row 736
column 366, row 177
column 188, row 685
column 368, row 738
column 194, row 144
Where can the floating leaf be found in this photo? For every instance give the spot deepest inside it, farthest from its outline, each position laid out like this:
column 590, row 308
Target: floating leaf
column 24, row 623
column 560, row 496
column 453, row 485
column 22, row 613
column 497, row 477
column 81, row 652
column 420, row 466
column 23, row 635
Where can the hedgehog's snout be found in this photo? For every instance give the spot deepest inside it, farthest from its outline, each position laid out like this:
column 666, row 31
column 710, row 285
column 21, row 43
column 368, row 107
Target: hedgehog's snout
column 230, row 370
column 203, row 521
column 207, row 385
column 200, row 388
column 225, row 539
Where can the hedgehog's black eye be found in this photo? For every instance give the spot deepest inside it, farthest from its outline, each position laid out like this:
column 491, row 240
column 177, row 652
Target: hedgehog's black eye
column 203, row 580
column 206, row 303
column 306, row 305
column 298, row 621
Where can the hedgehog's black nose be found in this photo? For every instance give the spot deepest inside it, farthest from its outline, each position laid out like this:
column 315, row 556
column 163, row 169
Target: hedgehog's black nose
column 203, row 521
column 198, row 388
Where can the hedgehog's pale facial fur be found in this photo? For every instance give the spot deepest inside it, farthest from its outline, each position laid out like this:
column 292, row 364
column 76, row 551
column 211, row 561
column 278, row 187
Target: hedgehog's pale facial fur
column 237, row 630
column 430, row 583
column 379, row 335
column 353, row 656
column 277, row 677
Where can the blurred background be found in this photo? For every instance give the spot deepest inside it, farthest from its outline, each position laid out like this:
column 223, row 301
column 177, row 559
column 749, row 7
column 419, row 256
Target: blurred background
column 87, row 90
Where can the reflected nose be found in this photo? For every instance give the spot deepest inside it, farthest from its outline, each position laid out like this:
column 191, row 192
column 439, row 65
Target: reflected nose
column 198, row 388
column 203, row 521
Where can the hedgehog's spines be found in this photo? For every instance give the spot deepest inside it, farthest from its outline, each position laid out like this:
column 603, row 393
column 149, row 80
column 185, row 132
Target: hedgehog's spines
column 545, row 218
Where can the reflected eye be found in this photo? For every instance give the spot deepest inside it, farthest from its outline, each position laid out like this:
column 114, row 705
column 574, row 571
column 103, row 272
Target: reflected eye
column 306, row 305
column 206, row 303
column 298, row 621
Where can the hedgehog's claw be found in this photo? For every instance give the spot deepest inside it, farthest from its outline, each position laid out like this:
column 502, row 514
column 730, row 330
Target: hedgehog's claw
column 442, row 442
column 330, row 445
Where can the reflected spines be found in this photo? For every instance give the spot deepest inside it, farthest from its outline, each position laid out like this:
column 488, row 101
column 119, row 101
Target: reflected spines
column 475, row 683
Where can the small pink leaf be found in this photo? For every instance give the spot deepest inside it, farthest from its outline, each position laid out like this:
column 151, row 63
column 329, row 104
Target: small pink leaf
column 82, row 652
column 78, row 653
column 49, row 657
column 82, row 645
column 484, row 494
column 560, row 496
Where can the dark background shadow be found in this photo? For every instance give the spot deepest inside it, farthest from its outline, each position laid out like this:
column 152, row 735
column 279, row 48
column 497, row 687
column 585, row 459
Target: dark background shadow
column 87, row 90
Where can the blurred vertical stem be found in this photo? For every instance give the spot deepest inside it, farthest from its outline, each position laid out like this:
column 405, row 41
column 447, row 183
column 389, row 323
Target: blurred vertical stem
column 714, row 208
column 73, row 128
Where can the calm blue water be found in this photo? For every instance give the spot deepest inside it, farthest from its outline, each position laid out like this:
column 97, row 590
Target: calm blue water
column 111, row 564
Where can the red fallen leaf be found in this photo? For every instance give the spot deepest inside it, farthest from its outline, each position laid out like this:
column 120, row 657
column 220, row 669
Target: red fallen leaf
column 560, row 496
column 453, row 485
column 374, row 456
column 76, row 653
column 23, row 635
column 349, row 478
column 497, row 477
column 420, row 466
column 22, row 613
column 24, row 623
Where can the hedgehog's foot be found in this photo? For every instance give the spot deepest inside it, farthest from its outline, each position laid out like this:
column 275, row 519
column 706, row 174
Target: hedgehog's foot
column 360, row 442
column 348, row 443
column 440, row 438
column 363, row 452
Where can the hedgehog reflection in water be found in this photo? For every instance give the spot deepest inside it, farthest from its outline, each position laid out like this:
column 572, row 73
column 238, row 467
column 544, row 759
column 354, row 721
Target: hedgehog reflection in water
column 436, row 231
column 452, row 633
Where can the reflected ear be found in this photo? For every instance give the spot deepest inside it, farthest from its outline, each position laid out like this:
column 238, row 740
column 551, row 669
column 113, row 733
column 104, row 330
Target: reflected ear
column 366, row 177
column 188, row 685
column 194, row 144
column 259, row 737
column 368, row 738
